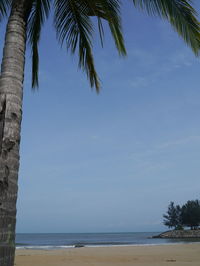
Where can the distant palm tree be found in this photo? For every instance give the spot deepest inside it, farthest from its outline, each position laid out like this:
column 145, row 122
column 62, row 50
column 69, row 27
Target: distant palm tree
column 74, row 27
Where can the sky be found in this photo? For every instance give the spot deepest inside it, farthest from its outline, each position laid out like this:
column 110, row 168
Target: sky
column 110, row 162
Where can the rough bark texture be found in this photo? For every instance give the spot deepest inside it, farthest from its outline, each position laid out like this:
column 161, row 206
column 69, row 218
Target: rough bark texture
column 11, row 83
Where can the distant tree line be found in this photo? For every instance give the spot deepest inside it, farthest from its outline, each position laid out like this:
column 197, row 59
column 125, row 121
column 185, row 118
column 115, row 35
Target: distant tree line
column 178, row 217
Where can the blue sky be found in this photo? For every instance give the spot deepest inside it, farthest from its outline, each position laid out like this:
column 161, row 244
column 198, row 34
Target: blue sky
column 110, row 162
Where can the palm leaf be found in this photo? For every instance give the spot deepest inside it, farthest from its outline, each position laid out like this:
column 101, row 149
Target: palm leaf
column 180, row 14
column 74, row 26
column 110, row 11
column 39, row 13
column 4, row 5
column 93, row 9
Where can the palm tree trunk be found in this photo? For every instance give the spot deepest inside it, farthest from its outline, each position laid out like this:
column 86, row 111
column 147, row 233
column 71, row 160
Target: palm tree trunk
column 11, row 92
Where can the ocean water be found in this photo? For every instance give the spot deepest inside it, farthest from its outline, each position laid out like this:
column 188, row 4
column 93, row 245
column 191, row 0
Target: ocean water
column 70, row 240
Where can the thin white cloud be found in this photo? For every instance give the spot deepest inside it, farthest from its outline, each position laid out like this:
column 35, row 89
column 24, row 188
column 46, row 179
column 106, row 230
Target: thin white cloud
column 178, row 142
column 95, row 137
column 142, row 57
column 142, row 160
column 158, row 66
column 139, row 82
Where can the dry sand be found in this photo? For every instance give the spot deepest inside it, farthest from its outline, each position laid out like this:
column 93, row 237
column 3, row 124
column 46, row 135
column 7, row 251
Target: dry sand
column 171, row 255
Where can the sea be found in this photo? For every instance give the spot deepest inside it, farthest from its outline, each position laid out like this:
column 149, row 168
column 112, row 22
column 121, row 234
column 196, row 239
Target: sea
column 73, row 240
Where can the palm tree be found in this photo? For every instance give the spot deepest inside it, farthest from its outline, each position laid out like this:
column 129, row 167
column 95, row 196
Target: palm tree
column 74, row 26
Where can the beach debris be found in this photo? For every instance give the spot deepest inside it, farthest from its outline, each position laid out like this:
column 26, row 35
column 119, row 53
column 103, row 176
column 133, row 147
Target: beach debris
column 171, row 260
column 78, row 245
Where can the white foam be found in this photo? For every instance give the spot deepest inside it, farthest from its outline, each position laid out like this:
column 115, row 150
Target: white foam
column 44, row 247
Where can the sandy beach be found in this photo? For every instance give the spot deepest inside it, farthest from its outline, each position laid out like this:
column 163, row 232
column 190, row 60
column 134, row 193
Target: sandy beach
column 173, row 255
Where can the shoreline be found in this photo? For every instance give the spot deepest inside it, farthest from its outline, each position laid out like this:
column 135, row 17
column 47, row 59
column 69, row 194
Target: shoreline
column 63, row 247
column 161, row 255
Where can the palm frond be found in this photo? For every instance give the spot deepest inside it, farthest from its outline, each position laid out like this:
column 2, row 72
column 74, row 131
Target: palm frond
column 94, row 9
column 180, row 14
column 74, row 26
column 39, row 13
column 4, row 5
column 110, row 11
